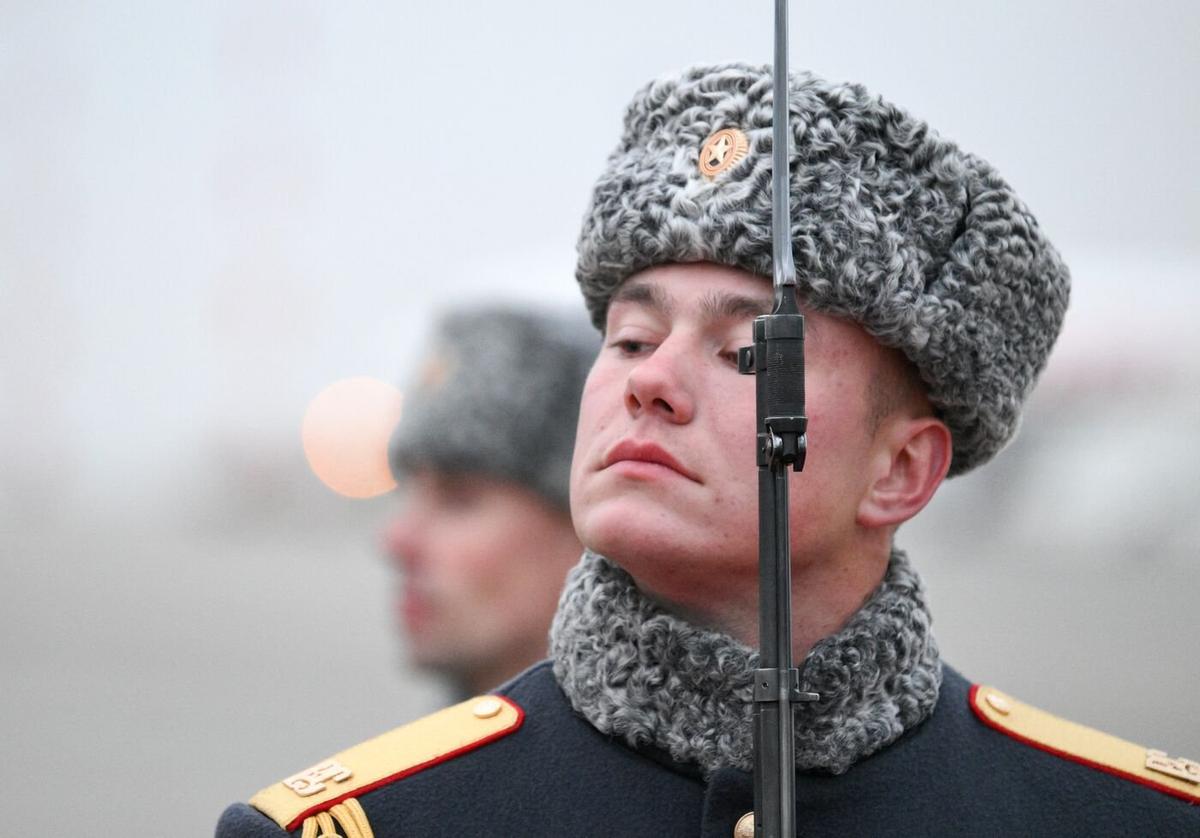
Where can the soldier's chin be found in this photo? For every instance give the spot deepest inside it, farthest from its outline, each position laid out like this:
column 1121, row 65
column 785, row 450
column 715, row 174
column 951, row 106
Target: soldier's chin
column 429, row 661
column 440, row 654
column 632, row 534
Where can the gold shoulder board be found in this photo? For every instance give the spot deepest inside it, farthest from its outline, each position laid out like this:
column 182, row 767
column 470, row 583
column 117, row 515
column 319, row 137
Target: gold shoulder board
column 1172, row 775
column 406, row 750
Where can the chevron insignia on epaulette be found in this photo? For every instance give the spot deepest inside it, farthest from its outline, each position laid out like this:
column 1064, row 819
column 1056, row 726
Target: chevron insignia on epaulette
column 1172, row 775
column 328, row 791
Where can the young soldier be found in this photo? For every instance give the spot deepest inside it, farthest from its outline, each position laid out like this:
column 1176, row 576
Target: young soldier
column 932, row 300
column 484, row 538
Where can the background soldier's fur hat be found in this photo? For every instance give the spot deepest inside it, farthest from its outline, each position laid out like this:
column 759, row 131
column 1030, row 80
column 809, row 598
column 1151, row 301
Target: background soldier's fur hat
column 498, row 394
column 892, row 226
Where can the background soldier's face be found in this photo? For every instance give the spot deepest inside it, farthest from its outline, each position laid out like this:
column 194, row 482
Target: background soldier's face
column 666, row 387
column 481, row 562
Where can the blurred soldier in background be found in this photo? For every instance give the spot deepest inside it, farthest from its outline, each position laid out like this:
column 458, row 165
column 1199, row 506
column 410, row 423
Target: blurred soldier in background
column 484, row 538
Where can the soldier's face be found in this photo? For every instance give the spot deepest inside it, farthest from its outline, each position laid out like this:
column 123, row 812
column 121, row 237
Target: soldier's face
column 482, row 562
column 664, row 479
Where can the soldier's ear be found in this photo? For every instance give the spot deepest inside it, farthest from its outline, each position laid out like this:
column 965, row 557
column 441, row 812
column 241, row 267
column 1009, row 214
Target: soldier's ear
column 910, row 461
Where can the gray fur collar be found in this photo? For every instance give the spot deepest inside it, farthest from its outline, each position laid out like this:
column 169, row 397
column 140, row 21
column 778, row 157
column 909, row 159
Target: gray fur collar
column 647, row 677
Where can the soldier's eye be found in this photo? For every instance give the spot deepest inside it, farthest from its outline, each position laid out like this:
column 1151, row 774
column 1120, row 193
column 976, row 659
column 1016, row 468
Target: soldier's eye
column 630, row 347
column 459, row 492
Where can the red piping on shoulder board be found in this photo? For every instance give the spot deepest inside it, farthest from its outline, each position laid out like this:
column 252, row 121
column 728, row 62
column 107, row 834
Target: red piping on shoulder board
column 1099, row 766
column 399, row 775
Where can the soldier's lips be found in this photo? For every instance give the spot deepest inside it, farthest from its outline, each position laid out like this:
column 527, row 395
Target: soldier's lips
column 642, row 470
column 644, row 460
column 414, row 611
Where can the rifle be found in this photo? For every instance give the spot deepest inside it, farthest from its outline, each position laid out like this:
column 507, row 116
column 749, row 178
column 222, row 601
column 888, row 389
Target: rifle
column 776, row 359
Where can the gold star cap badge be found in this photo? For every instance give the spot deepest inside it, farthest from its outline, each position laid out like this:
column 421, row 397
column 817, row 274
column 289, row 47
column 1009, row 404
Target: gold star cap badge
column 722, row 150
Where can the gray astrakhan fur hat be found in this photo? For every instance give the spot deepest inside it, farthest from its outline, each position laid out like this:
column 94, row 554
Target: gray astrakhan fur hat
column 892, row 226
column 498, row 394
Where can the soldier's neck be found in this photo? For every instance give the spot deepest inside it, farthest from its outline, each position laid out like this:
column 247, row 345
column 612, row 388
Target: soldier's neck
column 826, row 592
column 486, row 676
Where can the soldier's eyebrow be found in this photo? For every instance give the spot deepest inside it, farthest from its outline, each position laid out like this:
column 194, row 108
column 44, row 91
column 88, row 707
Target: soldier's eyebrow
column 714, row 306
column 717, row 306
column 640, row 292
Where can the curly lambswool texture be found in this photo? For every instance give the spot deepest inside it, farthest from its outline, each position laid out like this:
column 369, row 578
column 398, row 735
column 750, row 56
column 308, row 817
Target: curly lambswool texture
column 894, row 227
column 498, row 395
column 641, row 674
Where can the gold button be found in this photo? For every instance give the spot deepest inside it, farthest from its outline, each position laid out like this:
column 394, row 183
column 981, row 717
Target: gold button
column 745, row 826
column 485, row 708
column 1000, row 704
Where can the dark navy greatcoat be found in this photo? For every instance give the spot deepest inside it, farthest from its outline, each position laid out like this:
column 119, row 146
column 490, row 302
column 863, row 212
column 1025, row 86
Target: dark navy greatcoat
column 557, row 776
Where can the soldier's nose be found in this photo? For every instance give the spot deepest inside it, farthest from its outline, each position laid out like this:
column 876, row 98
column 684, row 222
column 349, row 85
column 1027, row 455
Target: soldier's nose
column 657, row 386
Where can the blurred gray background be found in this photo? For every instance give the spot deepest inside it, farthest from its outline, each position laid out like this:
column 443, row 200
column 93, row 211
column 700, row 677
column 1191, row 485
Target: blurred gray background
column 209, row 212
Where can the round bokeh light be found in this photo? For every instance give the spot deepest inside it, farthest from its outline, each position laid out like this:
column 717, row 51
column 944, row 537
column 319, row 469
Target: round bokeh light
column 345, row 434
